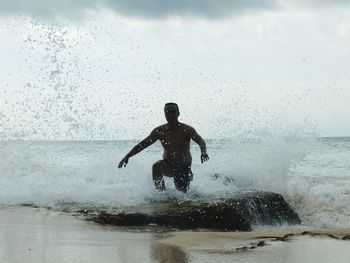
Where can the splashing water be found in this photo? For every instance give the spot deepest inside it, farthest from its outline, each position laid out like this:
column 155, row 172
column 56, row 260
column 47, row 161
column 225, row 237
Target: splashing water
column 311, row 174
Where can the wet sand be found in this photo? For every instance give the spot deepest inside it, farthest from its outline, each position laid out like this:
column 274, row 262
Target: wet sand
column 41, row 235
column 288, row 246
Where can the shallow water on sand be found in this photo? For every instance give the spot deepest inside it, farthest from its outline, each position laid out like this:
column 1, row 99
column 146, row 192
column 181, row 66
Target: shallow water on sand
column 43, row 236
column 305, row 249
column 37, row 235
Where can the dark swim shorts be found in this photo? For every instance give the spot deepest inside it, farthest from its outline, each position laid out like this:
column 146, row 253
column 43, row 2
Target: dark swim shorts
column 181, row 173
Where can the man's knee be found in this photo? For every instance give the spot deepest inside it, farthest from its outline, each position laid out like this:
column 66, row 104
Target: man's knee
column 157, row 170
column 157, row 167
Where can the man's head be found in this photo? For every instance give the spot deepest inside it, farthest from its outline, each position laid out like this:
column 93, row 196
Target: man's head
column 171, row 111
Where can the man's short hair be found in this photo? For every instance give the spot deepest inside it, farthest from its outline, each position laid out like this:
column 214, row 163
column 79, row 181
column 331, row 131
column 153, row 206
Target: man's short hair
column 171, row 104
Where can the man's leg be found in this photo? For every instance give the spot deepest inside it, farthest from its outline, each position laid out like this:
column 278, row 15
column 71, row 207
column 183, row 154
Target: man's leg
column 183, row 178
column 182, row 183
column 157, row 174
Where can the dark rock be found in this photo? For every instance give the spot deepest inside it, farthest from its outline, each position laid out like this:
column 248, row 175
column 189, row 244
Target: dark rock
column 241, row 249
column 306, row 233
column 29, row 205
column 261, row 243
column 124, row 219
column 280, row 239
column 313, row 234
column 185, row 215
column 284, row 238
column 332, row 236
column 347, row 237
column 238, row 213
column 288, row 235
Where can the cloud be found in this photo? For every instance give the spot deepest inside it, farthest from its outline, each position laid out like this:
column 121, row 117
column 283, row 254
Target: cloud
column 314, row 4
column 45, row 8
column 154, row 8
column 139, row 8
column 204, row 8
column 325, row 2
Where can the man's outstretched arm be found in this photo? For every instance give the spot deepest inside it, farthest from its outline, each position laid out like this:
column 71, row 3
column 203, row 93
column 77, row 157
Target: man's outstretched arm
column 150, row 139
column 199, row 140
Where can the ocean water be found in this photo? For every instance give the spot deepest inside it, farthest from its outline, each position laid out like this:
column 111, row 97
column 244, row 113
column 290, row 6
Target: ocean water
column 313, row 174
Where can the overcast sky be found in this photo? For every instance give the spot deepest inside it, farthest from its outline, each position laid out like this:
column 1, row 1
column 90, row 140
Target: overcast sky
column 103, row 69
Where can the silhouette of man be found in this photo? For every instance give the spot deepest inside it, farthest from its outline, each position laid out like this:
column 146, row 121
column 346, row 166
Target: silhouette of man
column 175, row 138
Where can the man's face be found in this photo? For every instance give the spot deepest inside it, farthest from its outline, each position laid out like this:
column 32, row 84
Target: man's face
column 171, row 113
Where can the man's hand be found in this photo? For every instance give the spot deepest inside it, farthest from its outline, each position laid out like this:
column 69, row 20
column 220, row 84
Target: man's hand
column 123, row 162
column 204, row 157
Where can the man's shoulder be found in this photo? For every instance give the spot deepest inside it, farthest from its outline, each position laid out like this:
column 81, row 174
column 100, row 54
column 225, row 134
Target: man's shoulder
column 187, row 127
column 159, row 128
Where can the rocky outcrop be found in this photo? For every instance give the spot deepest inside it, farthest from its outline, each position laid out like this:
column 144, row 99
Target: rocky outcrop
column 347, row 237
column 238, row 213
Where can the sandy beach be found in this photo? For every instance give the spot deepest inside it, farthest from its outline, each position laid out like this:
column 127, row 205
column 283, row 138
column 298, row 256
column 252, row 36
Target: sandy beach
column 40, row 235
column 292, row 246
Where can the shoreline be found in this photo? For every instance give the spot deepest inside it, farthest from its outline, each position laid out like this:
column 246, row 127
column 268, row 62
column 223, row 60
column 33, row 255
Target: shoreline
column 217, row 240
column 46, row 235
column 290, row 246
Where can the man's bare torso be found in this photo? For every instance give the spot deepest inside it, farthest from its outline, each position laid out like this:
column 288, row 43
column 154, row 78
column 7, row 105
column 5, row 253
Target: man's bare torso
column 175, row 142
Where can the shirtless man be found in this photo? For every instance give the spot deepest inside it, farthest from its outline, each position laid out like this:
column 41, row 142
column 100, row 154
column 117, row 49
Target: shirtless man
column 175, row 138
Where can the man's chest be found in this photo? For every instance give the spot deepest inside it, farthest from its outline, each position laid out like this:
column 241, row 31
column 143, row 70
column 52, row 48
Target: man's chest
column 179, row 137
